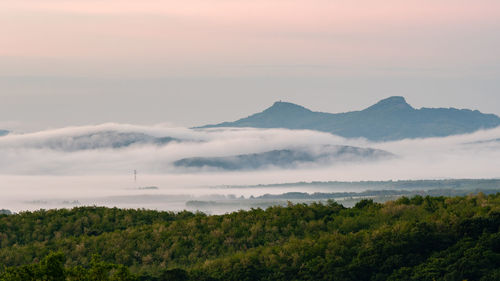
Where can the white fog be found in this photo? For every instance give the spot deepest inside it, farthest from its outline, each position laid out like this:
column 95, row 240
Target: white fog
column 58, row 168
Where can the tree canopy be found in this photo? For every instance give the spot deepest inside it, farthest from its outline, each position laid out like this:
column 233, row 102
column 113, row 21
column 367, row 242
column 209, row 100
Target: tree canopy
column 417, row 238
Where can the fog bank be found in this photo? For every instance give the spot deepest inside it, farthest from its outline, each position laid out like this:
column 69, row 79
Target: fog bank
column 38, row 170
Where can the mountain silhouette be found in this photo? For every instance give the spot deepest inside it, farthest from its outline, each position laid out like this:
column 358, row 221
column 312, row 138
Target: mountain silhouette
column 389, row 119
column 287, row 158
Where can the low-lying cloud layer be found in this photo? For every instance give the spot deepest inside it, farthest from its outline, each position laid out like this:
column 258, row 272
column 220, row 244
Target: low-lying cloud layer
column 98, row 161
column 117, row 149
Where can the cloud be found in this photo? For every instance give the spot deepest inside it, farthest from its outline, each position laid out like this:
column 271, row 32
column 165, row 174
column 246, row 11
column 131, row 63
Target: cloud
column 113, row 149
column 34, row 169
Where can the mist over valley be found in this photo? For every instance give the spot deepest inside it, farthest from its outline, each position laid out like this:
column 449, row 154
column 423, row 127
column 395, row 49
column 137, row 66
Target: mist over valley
column 94, row 165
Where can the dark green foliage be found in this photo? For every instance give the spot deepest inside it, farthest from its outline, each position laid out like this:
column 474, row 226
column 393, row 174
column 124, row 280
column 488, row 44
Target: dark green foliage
column 418, row 238
column 46, row 225
column 366, row 203
column 52, row 267
column 175, row 274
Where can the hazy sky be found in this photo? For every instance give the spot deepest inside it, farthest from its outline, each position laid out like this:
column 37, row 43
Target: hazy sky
column 191, row 62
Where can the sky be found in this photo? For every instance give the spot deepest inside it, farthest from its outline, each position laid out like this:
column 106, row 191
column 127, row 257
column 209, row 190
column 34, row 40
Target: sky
column 192, row 62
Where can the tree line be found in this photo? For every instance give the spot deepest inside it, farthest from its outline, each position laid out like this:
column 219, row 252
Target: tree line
column 417, row 238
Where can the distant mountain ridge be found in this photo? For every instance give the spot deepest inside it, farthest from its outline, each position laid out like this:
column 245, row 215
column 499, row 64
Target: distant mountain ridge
column 287, row 158
column 106, row 139
column 389, row 119
column 4, row 132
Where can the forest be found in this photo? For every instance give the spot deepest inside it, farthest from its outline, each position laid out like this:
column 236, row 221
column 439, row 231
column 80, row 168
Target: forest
column 411, row 238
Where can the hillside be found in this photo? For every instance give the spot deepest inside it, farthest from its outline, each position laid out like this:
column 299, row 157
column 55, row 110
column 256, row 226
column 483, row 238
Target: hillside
column 286, row 158
column 389, row 119
column 418, row 238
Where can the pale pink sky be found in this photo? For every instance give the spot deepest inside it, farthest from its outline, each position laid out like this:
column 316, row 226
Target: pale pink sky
column 237, row 31
column 358, row 41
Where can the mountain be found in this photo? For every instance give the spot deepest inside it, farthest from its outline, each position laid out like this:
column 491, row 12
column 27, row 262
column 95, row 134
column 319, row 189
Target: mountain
column 286, row 158
column 101, row 140
column 4, row 132
column 389, row 119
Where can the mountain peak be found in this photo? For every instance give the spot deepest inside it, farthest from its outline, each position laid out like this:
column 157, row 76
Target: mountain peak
column 286, row 106
column 389, row 119
column 394, row 102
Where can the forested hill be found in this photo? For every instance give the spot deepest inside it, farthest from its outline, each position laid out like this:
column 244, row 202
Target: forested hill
column 418, row 238
column 389, row 119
